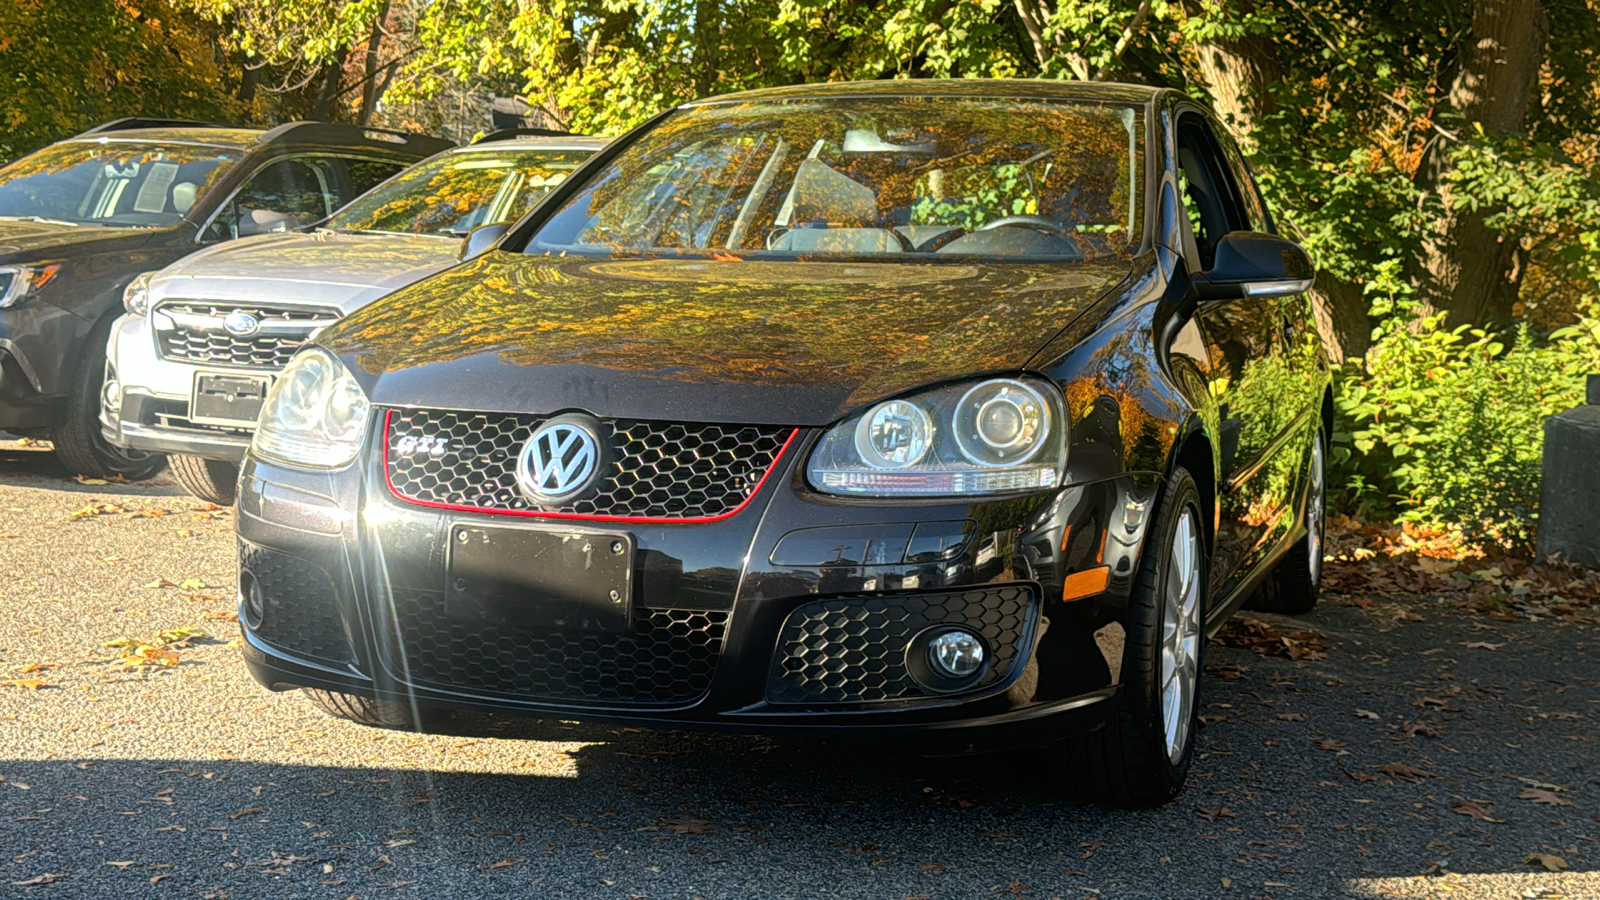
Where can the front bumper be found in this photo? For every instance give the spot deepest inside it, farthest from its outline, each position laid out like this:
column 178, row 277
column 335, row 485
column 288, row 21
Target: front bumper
column 732, row 625
column 146, row 404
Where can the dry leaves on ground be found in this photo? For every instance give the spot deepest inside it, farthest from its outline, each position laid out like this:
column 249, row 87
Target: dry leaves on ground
column 683, row 823
column 1477, row 809
column 1261, row 638
column 1550, row 862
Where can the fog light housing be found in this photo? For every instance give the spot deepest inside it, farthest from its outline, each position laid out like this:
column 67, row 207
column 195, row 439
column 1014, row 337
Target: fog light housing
column 956, row 653
column 252, row 605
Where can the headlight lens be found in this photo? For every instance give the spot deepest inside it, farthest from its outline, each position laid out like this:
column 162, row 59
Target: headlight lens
column 18, row 283
column 315, row 415
column 1001, row 435
column 136, row 296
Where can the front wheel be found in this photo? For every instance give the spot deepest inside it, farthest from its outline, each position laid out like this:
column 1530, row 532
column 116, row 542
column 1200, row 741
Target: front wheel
column 78, row 441
column 213, row 480
column 1141, row 756
column 1296, row 580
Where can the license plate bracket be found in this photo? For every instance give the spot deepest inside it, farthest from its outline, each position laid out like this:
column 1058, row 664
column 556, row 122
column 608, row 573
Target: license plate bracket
column 228, row 399
column 558, row 580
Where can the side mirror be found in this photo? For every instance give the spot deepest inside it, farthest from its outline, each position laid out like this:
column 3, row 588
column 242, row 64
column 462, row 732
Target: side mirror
column 265, row 221
column 480, row 240
column 1251, row 264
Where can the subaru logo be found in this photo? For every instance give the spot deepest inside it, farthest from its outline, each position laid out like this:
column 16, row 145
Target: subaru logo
column 561, row 460
column 241, row 324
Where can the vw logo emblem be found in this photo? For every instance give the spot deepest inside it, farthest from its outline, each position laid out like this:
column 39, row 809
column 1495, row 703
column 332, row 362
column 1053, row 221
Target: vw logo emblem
column 561, row 460
column 241, row 324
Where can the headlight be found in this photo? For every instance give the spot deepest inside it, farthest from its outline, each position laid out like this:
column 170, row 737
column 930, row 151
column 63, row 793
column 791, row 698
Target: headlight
column 315, row 414
column 18, row 283
column 997, row 436
column 136, row 297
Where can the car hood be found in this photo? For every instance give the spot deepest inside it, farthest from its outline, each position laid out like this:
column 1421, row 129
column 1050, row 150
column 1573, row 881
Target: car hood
column 24, row 240
column 322, row 268
column 769, row 342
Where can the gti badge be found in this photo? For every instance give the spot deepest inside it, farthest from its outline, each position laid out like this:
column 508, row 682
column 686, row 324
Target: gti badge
column 241, row 324
column 422, row 443
column 561, row 460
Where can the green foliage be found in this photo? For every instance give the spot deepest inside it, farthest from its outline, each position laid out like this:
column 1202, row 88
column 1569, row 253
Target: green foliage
column 1446, row 426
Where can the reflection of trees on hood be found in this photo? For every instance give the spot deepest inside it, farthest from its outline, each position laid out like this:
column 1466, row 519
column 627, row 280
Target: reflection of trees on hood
column 768, row 322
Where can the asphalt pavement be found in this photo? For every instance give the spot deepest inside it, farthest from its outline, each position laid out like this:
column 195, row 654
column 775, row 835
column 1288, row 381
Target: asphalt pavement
column 1429, row 752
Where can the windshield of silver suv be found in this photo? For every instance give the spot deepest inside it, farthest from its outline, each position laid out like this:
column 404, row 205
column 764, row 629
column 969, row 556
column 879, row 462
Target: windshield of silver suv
column 122, row 183
column 457, row 192
column 851, row 177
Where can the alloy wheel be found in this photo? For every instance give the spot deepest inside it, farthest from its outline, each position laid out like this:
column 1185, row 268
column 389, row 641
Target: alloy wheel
column 1180, row 634
column 1315, row 504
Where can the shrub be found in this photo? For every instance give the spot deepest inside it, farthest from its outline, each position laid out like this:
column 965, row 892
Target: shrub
column 1445, row 427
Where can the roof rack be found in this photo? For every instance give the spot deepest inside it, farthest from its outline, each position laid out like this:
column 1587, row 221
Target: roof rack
column 131, row 122
column 506, row 134
column 330, row 132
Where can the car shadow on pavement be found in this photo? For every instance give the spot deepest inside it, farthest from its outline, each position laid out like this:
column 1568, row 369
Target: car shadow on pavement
column 34, row 465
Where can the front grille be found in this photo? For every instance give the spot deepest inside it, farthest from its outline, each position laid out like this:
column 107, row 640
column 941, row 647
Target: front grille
column 198, row 335
column 659, row 470
column 666, row 658
column 300, row 615
column 850, row 650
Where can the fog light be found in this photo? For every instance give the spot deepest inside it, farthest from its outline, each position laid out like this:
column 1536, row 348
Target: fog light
column 111, row 395
column 252, row 605
column 956, row 653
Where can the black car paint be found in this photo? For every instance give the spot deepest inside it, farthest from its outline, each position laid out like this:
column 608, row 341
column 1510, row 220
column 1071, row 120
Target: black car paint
column 43, row 339
column 1130, row 352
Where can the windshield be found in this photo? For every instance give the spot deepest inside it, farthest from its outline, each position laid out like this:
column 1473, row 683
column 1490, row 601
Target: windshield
column 853, row 177
column 457, row 192
column 112, row 182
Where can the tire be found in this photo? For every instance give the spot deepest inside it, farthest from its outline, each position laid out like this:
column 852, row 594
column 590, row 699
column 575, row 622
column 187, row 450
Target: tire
column 78, row 442
column 1296, row 578
column 362, row 710
column 213, row 480
column 1142, row 754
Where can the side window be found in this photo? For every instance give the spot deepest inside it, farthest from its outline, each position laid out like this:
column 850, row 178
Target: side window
column 1209, row 192
column 1249, row 191
column 282, row 196
column 362, row 175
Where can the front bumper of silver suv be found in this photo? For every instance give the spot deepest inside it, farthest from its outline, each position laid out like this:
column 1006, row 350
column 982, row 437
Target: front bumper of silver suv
column 189, row 376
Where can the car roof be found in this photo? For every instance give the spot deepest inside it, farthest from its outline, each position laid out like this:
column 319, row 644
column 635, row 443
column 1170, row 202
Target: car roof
column 536, row 142
column 974, row 88
column 235, row 138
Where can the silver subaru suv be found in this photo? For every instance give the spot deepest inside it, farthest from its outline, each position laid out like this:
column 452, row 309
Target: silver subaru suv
column 189, row 364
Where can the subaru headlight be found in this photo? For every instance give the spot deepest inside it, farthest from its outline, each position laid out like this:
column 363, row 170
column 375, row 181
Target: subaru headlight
column 315, row 414
column 18, row 283
column 996, row 436
column 136, row 296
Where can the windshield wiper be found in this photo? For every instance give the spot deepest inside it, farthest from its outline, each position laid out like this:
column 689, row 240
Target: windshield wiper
column 42, row 219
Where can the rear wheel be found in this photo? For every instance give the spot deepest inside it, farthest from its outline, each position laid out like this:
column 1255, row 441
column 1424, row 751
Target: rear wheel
column 1141, row 757
column 78, row 441
column 362, row 710
column 1296, row 581
column 212, row 480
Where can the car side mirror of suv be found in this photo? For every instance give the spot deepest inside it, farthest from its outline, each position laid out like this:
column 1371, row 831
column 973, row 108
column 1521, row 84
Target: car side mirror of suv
column 1251, row 264
column 481, row 239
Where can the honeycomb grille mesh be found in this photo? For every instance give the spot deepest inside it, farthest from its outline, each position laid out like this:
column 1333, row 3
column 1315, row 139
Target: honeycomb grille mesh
column 659, row 470
column 219, row 348
column 850, row 650
column 666, row 658
column 300, row 616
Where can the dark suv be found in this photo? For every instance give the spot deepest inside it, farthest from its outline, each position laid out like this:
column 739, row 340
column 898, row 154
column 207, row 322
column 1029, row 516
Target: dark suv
column 81, row 218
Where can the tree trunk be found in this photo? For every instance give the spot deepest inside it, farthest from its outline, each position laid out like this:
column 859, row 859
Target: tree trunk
column 328, row 92
column 1239, row 74
column 371, row 90
column 1464, row 268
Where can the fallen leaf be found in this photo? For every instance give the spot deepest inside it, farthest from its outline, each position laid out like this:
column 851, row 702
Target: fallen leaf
column 1366, row 714
column 46, row 878
column 1483, row 645
column 683, row 823
column 192, row 584
column 1550, row 862
column 508, row 861
column 121, row 863
column 1543, row 797
column 247, row 811
column 1401, row 770
column 1218, row 812
column 1470, row 808
column 31, row 684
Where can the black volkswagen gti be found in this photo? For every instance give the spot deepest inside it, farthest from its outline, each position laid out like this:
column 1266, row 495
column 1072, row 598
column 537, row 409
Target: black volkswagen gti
column 82, row 218
column 963, row 410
